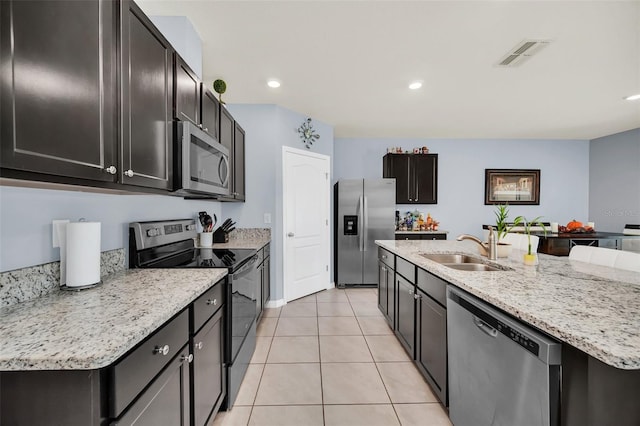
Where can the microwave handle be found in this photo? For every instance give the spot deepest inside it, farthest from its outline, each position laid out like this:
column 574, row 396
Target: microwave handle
column 224, row 179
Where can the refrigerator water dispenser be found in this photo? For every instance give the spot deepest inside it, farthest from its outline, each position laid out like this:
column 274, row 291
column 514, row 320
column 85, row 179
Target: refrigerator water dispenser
column 351, row 225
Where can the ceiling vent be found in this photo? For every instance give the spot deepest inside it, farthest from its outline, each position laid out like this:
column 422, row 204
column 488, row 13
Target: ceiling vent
column 521, row 52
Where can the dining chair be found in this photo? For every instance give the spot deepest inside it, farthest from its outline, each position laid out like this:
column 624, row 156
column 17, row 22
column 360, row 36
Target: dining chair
column 606, row 257
column 631, row 244
column 520, row 241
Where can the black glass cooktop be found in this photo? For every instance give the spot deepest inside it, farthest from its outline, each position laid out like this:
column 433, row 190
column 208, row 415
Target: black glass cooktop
column 169, row 257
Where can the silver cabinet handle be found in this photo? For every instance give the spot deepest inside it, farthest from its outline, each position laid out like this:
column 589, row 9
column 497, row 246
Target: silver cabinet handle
column 206, row 129
column 384, row 269
column 417, row 296
column 384, row 256
column 200, row 125
column 162, row 350
column 290, row 234
column 410, row 291
column 111, row 170
column 187, row 358
column 198, row 345
column 129, row 173
column 213, row 302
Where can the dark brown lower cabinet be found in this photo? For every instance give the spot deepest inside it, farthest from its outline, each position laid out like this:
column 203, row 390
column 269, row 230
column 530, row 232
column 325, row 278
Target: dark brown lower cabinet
column 418, row 236
column 207, row 370
column 386, row 292
column 166, row 401
column 405, row 324
column 431, row 343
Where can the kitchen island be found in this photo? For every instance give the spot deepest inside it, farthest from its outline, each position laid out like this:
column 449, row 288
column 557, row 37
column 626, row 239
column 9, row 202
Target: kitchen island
column 593, row 310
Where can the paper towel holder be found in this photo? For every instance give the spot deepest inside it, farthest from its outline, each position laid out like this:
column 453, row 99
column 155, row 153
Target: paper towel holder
column 59, row 239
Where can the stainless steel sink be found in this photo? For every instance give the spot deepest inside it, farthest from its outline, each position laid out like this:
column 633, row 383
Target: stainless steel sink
column 472, row 267
column 451, row 258
column 461, row 262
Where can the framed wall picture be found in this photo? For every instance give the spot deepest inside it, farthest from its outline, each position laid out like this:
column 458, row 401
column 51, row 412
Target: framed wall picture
column 513, row 186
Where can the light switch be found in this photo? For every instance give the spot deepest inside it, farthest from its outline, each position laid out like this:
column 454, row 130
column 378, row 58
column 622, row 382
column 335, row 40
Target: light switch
column 267, row 218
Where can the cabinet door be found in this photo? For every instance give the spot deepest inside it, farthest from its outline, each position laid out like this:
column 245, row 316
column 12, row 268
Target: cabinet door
column 383, row 289
column 207, row 369
column 431, row 348
column 227, row 131
column 398, row 166
column 391, row 298
column 58, row 88
column 405, row 314
column 266, row 282
column 209, row 110
column 166, row 401
column 186, row 92
column 425, row 178
column 147, row 99
column 238, row 163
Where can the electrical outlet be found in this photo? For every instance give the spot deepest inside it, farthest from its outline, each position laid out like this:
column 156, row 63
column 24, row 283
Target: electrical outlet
column 267, row 218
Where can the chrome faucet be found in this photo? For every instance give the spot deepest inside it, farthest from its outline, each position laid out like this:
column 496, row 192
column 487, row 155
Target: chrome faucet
column 489, row 249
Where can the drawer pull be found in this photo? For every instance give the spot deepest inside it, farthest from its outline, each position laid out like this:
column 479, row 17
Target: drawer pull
column 162, row 350
column 213, row 302
column 384, row 269
column 417, row 296
column 187, row 358
column 198, row 345
column 384, row 256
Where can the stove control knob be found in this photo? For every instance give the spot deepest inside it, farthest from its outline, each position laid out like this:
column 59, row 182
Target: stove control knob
column 190, row 227
column 152, row 232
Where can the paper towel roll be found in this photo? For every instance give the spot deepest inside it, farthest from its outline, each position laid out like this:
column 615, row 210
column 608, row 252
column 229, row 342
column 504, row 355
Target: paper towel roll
column 83, row 254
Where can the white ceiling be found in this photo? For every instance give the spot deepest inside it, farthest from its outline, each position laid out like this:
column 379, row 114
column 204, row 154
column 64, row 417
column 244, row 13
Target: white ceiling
column 348, row 64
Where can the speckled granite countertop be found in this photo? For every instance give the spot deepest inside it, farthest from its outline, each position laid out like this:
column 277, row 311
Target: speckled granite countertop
column 593, row 308
column 92, row 328
column 247, row 243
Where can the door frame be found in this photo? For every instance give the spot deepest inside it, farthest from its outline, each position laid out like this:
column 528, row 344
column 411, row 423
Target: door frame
column 289, row 150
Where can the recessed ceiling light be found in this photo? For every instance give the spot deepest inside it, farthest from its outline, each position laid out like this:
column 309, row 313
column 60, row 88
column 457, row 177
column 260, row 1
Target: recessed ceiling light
column 633, row 97
column 415, row 85
column 273, row 83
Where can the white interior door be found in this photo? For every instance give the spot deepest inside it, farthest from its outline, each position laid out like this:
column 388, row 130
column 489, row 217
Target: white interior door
column 306, row 192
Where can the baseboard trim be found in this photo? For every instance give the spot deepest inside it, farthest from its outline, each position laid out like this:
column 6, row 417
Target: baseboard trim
column 331, row 285
column 275, row 303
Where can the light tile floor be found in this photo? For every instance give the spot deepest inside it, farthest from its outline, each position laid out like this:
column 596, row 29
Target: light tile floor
column 331, row 359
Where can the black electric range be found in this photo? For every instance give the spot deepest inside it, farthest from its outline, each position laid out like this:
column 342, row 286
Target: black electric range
column 170, row 244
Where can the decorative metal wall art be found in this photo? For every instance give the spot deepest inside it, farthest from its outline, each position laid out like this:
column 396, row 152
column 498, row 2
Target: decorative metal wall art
column 307, row 133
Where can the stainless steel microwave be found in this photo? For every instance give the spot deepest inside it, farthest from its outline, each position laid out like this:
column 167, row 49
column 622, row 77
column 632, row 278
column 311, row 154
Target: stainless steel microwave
column 201, row 163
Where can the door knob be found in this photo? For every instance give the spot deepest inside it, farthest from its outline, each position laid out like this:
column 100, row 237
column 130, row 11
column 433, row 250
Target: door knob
column 290, row 234
column 129, row 173
column 111, row 170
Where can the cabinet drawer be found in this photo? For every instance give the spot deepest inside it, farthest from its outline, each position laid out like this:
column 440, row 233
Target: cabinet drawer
column 136, row 370
column 207, row 304
column 433, row 286
column 406, row 269
column 386, row 257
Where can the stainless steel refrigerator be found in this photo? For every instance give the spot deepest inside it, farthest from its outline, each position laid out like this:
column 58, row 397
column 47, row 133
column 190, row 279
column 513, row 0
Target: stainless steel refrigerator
column 364, row 212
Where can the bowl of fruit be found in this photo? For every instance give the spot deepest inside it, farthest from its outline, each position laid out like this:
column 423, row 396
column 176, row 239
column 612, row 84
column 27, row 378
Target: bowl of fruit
column 576, row 227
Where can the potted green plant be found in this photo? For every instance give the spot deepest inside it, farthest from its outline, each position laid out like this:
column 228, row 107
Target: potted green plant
column 502, row 226
column 531, row 258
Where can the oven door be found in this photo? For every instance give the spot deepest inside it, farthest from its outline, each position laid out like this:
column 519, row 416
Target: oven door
column 243, row 300
column 205, row 162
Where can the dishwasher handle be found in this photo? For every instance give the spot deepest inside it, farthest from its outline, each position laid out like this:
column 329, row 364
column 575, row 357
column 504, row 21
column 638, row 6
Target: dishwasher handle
column 486, row 328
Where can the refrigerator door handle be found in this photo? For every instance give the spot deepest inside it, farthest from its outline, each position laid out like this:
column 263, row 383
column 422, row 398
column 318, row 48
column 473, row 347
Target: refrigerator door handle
column 360, row 224
column 365, row 225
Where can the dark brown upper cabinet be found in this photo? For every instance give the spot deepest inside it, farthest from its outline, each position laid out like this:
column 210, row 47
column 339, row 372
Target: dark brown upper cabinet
column 209, row 112
column 227, row 132
column 58, row 88
column 147, row 100
column 187, row 93
column 416, row 177
column 238, row 187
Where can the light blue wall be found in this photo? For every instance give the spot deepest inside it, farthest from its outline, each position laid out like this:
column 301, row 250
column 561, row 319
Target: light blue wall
column 268, row 128
column 614, row 180
column 564, row 170
column 26, row 215
column 179, row 31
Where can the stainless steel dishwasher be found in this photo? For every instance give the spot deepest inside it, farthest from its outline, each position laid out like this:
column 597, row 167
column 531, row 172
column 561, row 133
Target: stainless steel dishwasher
column 501, row 372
